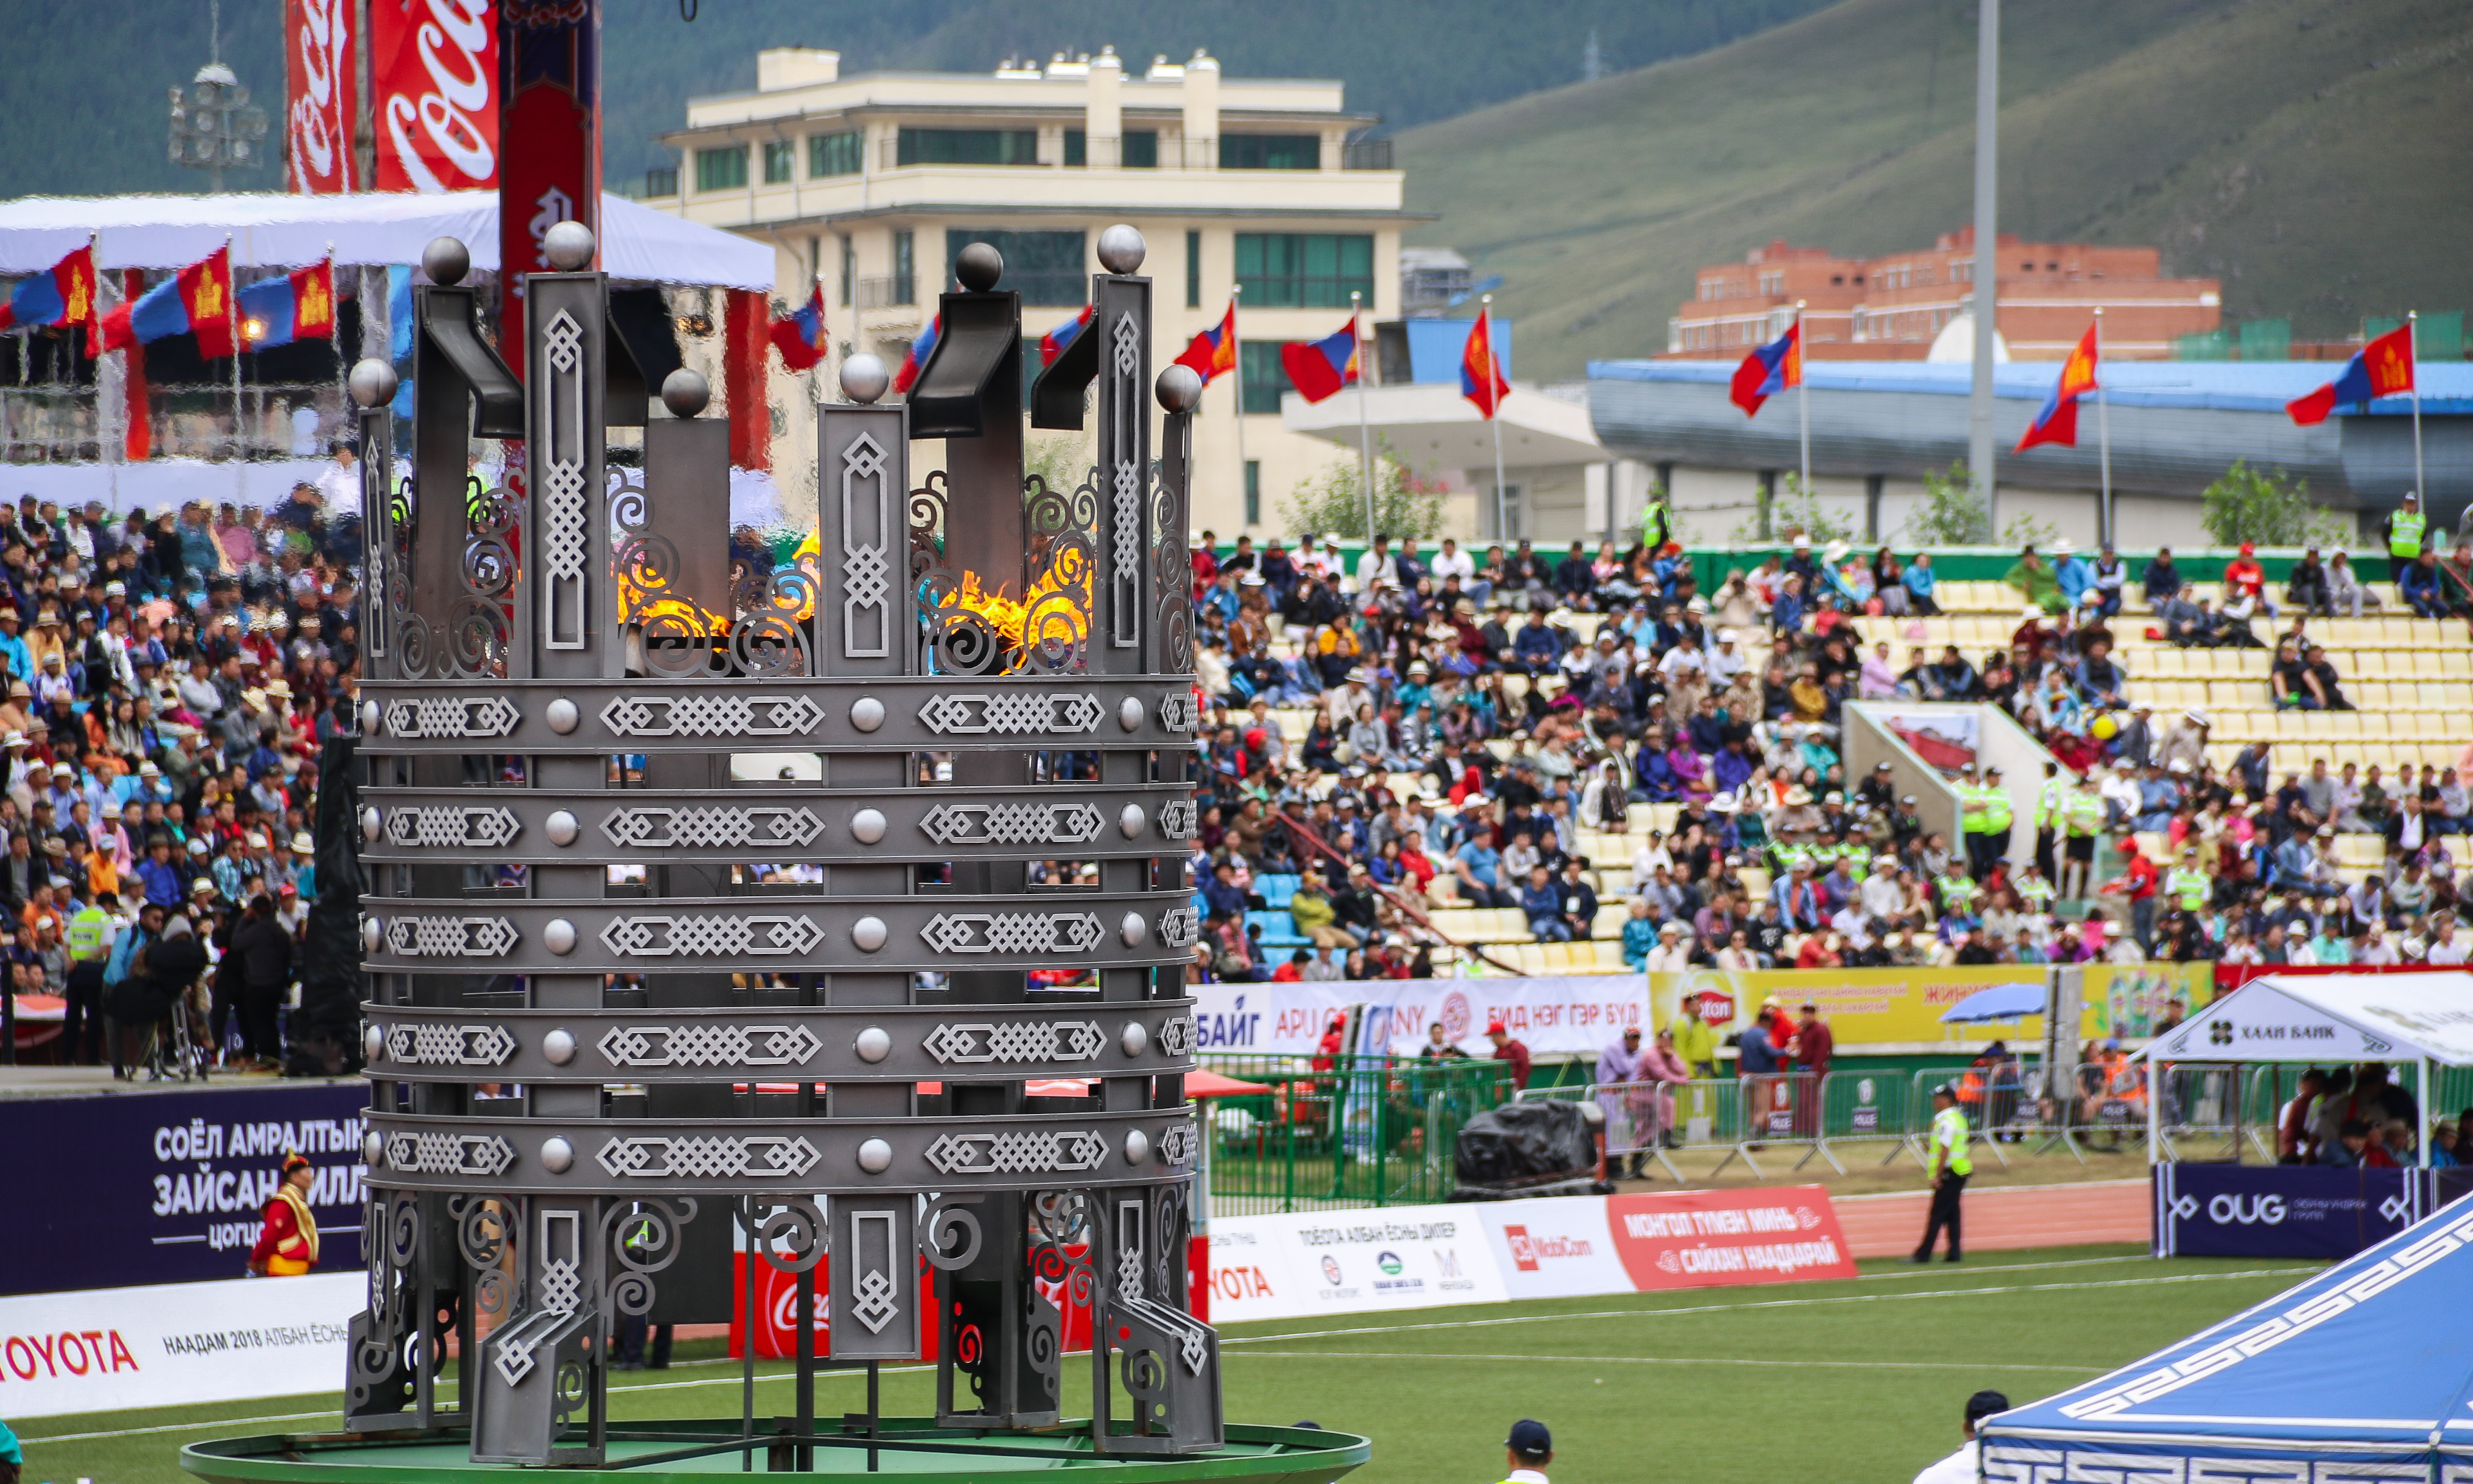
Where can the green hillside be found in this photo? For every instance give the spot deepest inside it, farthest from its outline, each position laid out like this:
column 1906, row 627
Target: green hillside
column 87, row 111
column 2313, row 154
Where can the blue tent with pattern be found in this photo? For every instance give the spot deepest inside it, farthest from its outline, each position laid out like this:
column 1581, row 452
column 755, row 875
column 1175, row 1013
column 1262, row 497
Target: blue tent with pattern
column 2363, row 1374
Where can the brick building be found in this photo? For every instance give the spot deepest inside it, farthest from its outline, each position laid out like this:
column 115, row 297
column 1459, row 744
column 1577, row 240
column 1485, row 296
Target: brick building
column 1889, row 308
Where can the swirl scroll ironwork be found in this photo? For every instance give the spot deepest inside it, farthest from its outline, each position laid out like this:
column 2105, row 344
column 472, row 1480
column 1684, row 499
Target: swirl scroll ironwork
column 415, row 642
column 665, row 626
column 479, row 632
column 486, row 1230
column 791, row 1238
column 1064, row 555
column 768, row 630
column 955, row 638
column 1171, row 574
column 643, row 1238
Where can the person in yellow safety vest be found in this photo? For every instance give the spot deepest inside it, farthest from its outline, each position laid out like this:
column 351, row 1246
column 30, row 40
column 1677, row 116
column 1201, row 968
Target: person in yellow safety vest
column 1528, row 1450
column 2081, row 821
column 1987, row 838
column 2187, row 885
column 1945, row 1161
column 89, row 944
column 1695, row 1043
column 2048, row 802
column 2034, row 888
column 2407, row 530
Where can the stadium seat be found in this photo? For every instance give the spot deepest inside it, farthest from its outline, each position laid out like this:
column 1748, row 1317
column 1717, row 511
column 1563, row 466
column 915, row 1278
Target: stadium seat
column 1279, row 930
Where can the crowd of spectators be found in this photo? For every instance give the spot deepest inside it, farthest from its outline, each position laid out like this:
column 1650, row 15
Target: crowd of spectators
column 1464, row 735
column 2350, row 1117
column 170, row 679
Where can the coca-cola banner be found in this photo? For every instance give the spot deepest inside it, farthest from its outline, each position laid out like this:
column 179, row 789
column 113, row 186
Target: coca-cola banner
column 435, row 65
column 319, row 102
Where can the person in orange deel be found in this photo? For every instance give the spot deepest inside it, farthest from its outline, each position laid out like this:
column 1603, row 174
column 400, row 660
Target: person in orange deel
column 287, row 1245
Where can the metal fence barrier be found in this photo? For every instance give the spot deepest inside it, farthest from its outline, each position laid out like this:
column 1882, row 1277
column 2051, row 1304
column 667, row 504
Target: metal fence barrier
column 1862, row 1107
column 1367, row 1130
column 1782, row 1108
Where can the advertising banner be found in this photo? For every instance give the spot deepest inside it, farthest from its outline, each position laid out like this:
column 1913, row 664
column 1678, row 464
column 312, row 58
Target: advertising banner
column 1350, row 1262
column 434, row 68
column 162, row 1188
column 2284, row 1210
column 320, row 103
column 1554, row 1248
column 1553, row 1015
column 1716, row 1238
column 549, row 126
column 113, row 1348
column 2129, row 1000
column 1864, row 1007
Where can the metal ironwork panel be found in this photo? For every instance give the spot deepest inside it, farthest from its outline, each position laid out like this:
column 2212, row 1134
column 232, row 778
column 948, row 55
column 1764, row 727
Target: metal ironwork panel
column 901, row 1044
column 511, row 1155
column 867, row 618
column 777, row 934
column 566, row 586
column 790, row 823
column 662, row 716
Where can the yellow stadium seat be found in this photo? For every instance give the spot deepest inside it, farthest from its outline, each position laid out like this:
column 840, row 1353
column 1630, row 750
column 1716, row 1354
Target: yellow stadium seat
column 1609, row 923
column 1610, row 959
column 2430, row 696
column 2427, row 725
column 2316, row 727
column 1755, row 879
column 2373, row 726
column 2171, row 664
column 2398, row 632
column 1529, row 956
column 2344, row 725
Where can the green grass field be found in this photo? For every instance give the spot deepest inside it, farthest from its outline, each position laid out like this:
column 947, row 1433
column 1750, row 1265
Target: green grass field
column 1856, row 1382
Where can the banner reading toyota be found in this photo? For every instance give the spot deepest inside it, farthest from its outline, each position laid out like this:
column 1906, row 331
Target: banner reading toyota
column 435, row 70
column 320, row 104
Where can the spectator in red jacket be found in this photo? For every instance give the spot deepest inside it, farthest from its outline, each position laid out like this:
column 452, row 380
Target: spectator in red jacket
column 1507, row 1049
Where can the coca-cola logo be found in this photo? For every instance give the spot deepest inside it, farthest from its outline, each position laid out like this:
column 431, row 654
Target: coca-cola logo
column 317, row 126
column 438, row 116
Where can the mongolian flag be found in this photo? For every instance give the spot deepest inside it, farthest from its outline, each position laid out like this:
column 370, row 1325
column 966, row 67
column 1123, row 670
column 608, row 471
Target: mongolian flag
column 2383, row 367
column 198, row 300
column 300, row 305
column 916, row 360
column 1319, row 367
column 1214, row 350
column 2058, row 422
column 1481, row 370
column 1769, row 370
column 62, row 295
column 1052, row 344
column 800, row 336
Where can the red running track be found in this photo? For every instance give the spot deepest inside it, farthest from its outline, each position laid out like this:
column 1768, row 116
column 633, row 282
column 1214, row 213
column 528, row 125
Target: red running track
column 2003, row 1217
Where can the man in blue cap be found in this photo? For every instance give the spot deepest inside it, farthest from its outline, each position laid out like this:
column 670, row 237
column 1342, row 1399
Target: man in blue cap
column 1528, row 1450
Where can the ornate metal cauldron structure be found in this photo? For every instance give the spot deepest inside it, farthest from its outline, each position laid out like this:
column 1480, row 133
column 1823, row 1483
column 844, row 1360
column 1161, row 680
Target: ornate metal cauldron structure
column 608, row 1043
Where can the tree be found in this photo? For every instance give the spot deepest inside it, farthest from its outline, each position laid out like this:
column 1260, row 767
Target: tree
column 1795, row 511
column 1950, row 514
column 1335, row 500
column 2269, row 508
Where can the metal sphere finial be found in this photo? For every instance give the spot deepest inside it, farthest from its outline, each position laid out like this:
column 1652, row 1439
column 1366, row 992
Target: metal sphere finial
column 446, row 260
column 685, row 393
column 979, row 266
column 1179, row 389
column 1121, row 248
column 864, row 378
column 371, row 383
column 569, row 246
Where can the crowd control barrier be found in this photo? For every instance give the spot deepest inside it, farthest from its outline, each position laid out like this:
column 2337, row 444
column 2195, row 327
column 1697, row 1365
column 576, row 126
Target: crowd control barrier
column 1865, row 1108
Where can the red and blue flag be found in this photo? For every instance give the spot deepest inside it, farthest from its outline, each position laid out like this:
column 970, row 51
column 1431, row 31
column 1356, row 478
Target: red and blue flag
column 1319, row 367
column 2383, row 367
column 1769, row 370
column 61, row 295
column 2058, row 422
column 198, row 300
column 1213, row 351
column 300, row 305
column 916, row 360
column 1052, row 344
column 800, row 335
column 1481, row 369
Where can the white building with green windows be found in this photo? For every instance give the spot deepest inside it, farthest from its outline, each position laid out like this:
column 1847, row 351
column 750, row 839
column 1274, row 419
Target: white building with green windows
column 873, row 182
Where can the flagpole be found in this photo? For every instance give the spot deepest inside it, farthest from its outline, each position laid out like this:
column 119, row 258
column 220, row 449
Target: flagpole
column 2103, row 430
column 2412, row 349
column 1802, row 406
column 1493, row 416
column 1364, row 437
column 238, row 329
column 1236, row 360
column 334, row 332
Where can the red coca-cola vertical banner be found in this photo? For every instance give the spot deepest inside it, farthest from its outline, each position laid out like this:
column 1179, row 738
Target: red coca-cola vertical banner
column 434, row 67
column 319, row 102
column 550, row 125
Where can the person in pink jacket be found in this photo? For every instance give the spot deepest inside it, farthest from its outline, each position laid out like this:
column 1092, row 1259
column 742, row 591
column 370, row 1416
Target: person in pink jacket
column 1651, row 1099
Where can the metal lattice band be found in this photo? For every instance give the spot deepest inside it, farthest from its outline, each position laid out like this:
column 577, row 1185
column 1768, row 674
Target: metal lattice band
column 502, row 1154
column 1032, row 1043
column 1181, row 712
column 456, row 717
column 711, row 935
column 1010, row 713
column 1012, row 823
column 430, row 1045
column 1178, row 927
column 1012, row 932
column 818, row 1042
column 657, row 715
column 449, row 937
column 713, row 828
column 565, row 543
column 469, row 826
column 1180, row 818
column 709, row 1045
column 1179, row 1145
column 867, row 566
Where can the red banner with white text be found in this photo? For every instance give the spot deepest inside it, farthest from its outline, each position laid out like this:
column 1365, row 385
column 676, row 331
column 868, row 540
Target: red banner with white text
column 1711, row 1239
column 434, row 65
column 320, row 103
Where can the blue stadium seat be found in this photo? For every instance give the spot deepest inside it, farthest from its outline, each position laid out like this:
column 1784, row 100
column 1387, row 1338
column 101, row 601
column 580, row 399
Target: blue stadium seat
column 1278, row 929
column 1277, row 890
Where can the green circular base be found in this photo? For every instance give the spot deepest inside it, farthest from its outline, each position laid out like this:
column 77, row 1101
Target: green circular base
column 913, row 1447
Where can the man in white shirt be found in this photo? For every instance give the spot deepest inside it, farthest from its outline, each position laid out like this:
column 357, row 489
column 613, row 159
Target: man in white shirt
column 1673, row 951
column 1374, row 566
column 1960, row 1467
column 1528, row 1450
column 2446, row 948
column 1452, row 562
column 1725, row 662
column 339, row 483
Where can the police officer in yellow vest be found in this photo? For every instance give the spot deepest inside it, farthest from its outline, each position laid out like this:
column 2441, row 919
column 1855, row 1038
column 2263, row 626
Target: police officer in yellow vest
column 89, row 945
column 2050, row 800
column 1528, row 1450
column 1945, row 1161
column 2408, row 530
column 2081, row 821
column 1987, row 822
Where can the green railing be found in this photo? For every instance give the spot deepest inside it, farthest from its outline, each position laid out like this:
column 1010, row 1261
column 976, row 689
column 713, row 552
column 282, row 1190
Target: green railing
column 1369, row 1132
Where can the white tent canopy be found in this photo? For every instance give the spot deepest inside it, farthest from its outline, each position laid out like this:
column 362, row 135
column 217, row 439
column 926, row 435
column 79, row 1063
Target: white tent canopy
column 2331, row 1018
column 268, row 231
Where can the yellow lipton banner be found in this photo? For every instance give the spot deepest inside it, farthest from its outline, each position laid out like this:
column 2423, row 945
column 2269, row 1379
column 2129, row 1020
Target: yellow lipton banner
column 1879, row 1007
